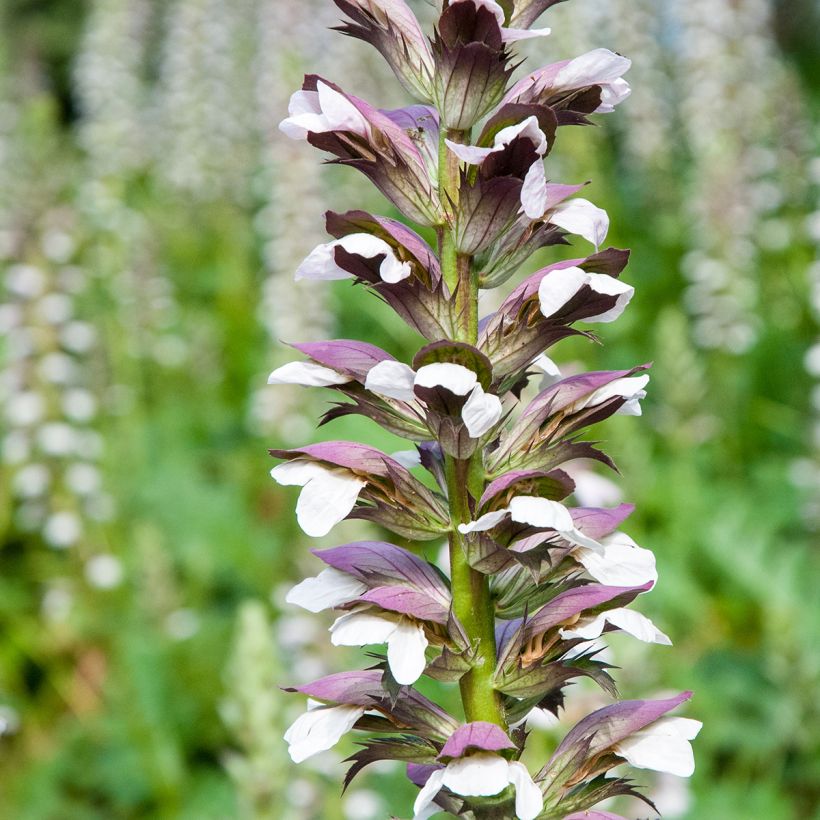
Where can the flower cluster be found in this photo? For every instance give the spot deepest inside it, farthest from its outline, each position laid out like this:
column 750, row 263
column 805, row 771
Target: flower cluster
column 533, row 577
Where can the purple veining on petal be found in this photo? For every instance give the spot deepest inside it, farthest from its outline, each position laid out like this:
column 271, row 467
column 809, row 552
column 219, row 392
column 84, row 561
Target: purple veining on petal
column 592, row 814
column 612, row 724
column 507, row 480
column 347, row 356
column 377, row 563
column 348, row 454
column 408, row 602
column 597, row 522
column 575, row 601
column 479, row 735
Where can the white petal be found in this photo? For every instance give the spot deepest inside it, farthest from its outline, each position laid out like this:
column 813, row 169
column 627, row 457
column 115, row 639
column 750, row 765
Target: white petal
column 307, row 374
column 558, row 287
column 540, row 512
column 481, row 412
column 581, row 217
column 296, row 473
column 613, row 94
column 424, row 806
column 478, row 775
column 610, row 286
column 633, row 623
column 328, row 589
column 599, row 66
column 513, row 35
column 663, row 746
column 630, row 388
column 534, row 192
column 340, row 113
column 529, row 802
column 304, row 112
column 405, row 652
column 618, row 562
column 321, row 265
column 320, row 729
column 392, row 379
column 546, row 364
column 368, row 246
column 361, row 628
column 328, row 495
column 455, row 377
column 471, row 154
column 486, row 522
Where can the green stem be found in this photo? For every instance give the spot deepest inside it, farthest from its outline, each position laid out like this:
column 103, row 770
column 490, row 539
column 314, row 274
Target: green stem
column 472, row 602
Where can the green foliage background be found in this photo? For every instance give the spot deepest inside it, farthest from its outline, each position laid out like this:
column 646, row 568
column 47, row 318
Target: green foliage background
column 158, row 697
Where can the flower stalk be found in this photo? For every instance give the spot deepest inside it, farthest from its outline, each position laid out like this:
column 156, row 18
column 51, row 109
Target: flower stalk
column 534, row 580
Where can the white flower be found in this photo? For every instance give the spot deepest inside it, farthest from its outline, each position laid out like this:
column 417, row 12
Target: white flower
column 307, row 374
column 475, row 155
column 618, row 562
column 392, row 379
column 558, row 287
column 321, row 262
column 405, row 639
column 321, row 111
column 395, row 380
column 581, row 217
column 330, row 588
column 663, row 746
column 551, row 370
column 537, row 512
column 630, row 388
column 319, row 729
column 597, row 67
column 626, row 620
column 481, row 412
column 482, row 774
column 328, row 494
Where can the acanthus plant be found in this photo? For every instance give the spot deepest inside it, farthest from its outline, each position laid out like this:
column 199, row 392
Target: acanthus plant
column 532, row 580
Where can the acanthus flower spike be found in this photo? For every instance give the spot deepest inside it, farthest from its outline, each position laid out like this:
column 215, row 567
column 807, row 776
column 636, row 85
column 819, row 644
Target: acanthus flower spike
column 538, row 572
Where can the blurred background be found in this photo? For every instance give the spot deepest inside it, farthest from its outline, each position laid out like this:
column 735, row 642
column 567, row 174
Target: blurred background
column 151, row 217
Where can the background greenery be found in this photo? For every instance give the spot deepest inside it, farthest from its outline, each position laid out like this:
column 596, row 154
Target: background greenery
column 150, row 220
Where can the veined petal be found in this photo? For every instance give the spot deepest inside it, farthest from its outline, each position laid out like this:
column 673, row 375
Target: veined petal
column 619, row 562
column 540, row 512
column 662, row 746
column 558, row 287
column 534, row 194
column 424, row 800
column 320, row 729
column 610, row 286
column 392, row 379
column 481, row 412
column 630, row 388
column 320, row 265
column 597, row 67
column 478, row 775
column 581, row 217
column 454, row 377
column 307, row 374
column 360, row 628
column 626, row 620
column 328, row 495
column 405, row 652
column 486, row 522
column 340, row 114
column 513, row 35
column 529, row 802
column 328, row 589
